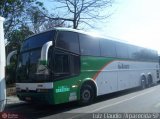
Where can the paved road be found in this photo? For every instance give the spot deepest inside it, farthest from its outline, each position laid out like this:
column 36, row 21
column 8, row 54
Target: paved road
column 130, row 101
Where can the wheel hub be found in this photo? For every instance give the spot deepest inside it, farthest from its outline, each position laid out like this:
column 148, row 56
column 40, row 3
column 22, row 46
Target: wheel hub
column 86, row 95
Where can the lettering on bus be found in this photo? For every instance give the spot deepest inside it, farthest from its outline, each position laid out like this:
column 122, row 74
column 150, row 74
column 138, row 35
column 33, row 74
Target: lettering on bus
column 61, row 89
column 123, row 66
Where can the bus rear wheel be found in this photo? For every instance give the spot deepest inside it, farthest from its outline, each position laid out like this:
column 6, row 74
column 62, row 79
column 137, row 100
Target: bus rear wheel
column 87, row 95
column 150, row 81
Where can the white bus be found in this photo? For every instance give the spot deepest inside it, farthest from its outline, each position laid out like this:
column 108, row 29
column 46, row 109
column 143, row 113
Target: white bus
column 2, row 67
column 64, row 65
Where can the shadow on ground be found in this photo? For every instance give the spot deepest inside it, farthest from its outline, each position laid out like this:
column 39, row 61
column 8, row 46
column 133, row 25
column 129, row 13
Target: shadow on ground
column 34, row 111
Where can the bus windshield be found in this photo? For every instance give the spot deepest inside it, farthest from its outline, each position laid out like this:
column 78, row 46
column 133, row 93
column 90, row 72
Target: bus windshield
column 29, row 58
column 37, row 41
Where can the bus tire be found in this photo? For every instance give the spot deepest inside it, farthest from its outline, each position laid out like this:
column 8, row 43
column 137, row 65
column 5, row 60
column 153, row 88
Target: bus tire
column 87, row 94
column 150, row 81
column 143, row 82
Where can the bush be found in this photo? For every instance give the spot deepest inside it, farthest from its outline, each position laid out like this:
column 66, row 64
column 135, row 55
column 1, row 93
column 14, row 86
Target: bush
column 11, row 73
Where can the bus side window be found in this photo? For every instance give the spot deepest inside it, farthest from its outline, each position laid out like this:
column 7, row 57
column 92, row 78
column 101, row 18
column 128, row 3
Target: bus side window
column 74, row 65
column 50, row 59
column 68, row 41
column 61, row 64
column 66, row 64
column 89, row 45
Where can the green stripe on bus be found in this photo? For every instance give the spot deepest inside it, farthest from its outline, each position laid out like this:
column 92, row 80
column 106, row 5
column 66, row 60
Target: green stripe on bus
column 43, row 62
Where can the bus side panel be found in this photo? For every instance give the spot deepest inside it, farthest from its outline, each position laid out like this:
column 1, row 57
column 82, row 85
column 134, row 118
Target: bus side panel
column 107, row 80
column 66, row 90
column 122, row 74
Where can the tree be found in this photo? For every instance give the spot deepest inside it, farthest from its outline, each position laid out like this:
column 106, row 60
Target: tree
column 39, row 22
column 17, row 36
column 82, row 11
column 15, row 40
column 36, row 17
column 14, row 11
column 51, row 23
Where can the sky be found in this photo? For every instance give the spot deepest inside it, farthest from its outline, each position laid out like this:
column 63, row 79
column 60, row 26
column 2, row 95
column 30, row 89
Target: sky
column 134, row 21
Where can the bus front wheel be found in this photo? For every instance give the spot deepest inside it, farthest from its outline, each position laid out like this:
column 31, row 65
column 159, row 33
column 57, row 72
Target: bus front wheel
column 86, row 95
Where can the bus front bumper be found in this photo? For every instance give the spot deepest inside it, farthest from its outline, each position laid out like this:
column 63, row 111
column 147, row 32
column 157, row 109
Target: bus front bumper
column 37, row 97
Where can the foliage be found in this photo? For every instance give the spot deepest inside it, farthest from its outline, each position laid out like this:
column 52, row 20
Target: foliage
column 14, row 11
column 82, row 11
column 16, row 38
column 10, row 73
column 39, row 21
column 51, row 23
column 36, row 18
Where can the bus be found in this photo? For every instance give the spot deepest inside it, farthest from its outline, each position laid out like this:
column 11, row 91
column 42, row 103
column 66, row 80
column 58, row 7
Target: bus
column 2, row 67
column 63, row 65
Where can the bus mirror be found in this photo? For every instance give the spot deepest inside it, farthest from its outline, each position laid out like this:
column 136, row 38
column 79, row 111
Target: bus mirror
column 44, row 52
column 10, row 56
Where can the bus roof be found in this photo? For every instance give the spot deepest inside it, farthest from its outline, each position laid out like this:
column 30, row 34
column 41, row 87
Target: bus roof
column 79, row 31
column 87, row 33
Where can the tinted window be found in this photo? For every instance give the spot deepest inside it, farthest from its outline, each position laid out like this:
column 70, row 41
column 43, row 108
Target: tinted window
column 25, row 45
column 154, row 55
column 23, row 59
column 50, row 58
column 146, row 54
column 37, row 40
column 66, row 64
column 139, row 53
column 61, row 63
column 74, row 64
column 133, row 52
column 107, row 48
column 35, row 56
column 89, row 45
column 68, row 41
column 122, row 50
column 142, row 54
column 33, row 63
